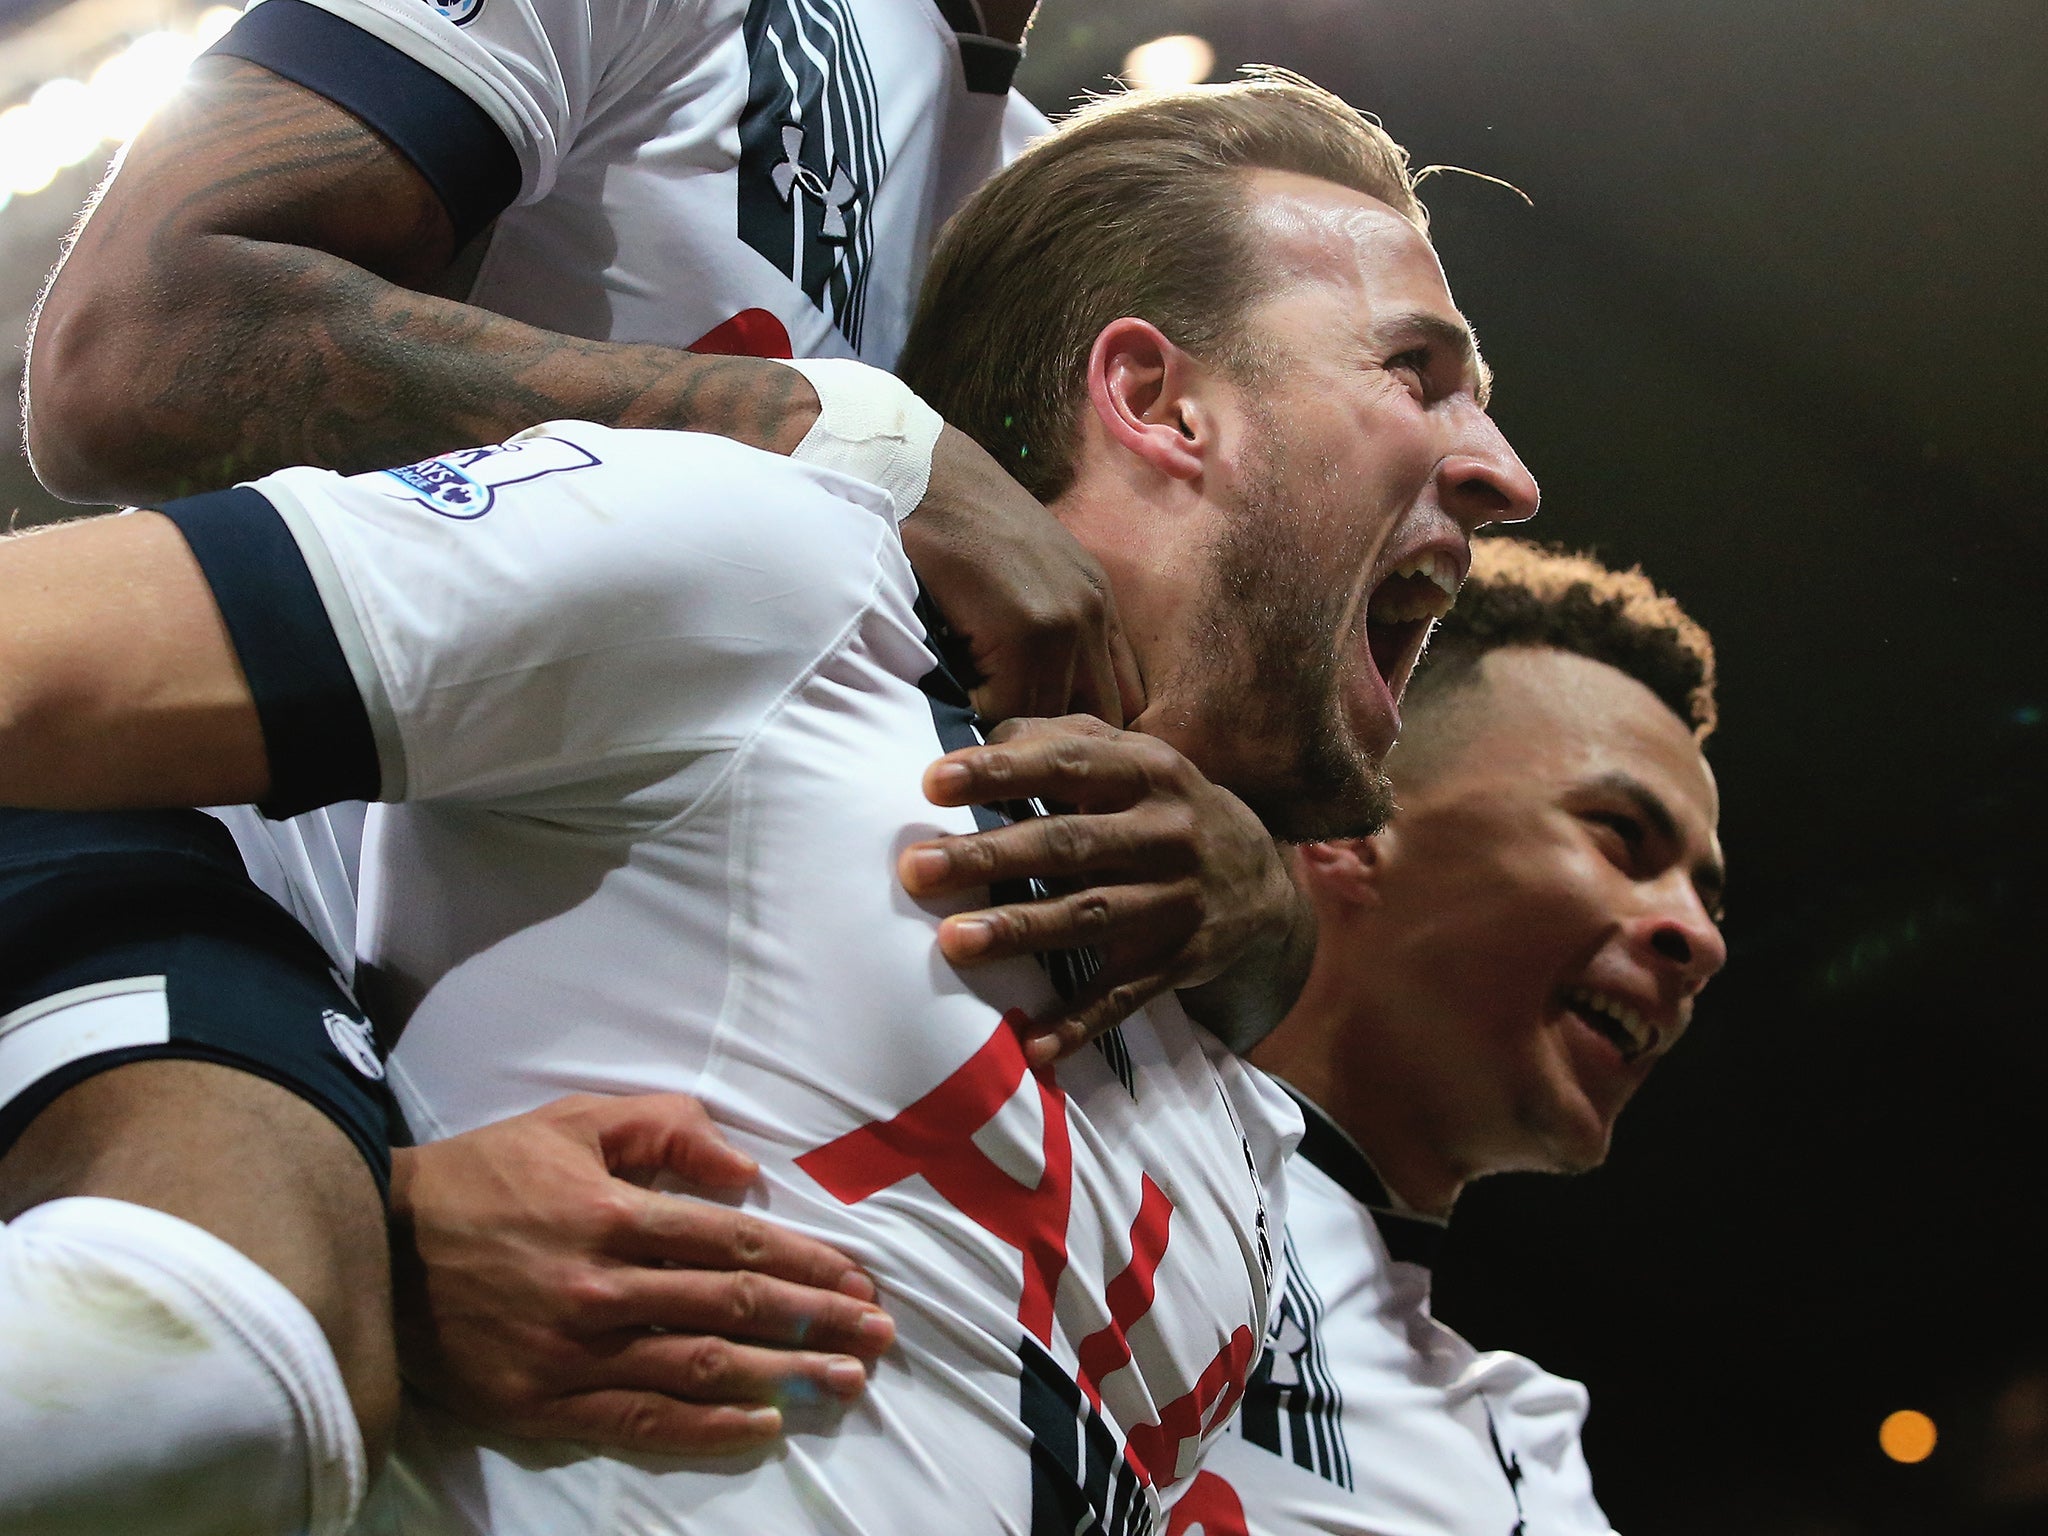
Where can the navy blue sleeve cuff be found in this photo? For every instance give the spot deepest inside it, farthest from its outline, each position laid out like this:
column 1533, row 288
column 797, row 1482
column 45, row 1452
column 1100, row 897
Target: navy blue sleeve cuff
column 315, row 728
column 462, row 153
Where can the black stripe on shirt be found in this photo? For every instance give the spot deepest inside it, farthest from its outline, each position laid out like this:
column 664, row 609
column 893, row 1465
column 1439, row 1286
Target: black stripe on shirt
column 452, row 141
column 989, row 62
column 316, row 731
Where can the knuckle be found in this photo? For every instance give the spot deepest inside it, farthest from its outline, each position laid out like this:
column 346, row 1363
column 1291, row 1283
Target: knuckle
column 1092, row 913
column 614, row 1214
column 1064, row 840
column 1009, row 926
column 973, row 856
column 747, row 1241
column 641, row 1421
column 706, row 1366
column 1160, row 763
column 591, row 1291
column 1070, row 757
column 745, row 1300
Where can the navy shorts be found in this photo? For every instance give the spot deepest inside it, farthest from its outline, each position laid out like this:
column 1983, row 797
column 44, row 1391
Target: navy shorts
column 138, row 935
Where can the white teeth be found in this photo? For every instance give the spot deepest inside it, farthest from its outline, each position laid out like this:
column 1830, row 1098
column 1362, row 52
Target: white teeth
column 1402, row 602
column 1642, row 1034
column 1438, row 566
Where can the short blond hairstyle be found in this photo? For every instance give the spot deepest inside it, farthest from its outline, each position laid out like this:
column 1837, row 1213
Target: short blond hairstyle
column 1543, row 597
column 1136, row 205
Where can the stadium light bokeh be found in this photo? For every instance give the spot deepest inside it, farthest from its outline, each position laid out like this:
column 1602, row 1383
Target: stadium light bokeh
column 1181, row 59
column 65, row 120
column 1907, row 1436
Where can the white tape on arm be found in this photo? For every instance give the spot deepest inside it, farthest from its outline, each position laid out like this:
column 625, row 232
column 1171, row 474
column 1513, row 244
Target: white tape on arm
column 871, row 426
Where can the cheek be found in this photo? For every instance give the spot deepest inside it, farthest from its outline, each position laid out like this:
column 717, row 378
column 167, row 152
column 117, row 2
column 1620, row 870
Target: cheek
column 1503, row 939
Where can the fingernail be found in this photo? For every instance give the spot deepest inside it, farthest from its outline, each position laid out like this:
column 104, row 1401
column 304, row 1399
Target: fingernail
column 845, row 1375
column 857, row 1285
column 927, row 864
column 762, row 1421
column 948, row 778
column 877, row 1327
column 1042, row 1050
column 968, row 936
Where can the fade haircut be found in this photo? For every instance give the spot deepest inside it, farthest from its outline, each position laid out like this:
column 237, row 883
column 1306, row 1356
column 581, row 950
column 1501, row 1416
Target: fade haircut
column 1137, row 205
column 1543, row 597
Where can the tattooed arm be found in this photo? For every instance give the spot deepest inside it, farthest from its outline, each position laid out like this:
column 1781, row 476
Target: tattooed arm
column 253, row 290
column 246, row 296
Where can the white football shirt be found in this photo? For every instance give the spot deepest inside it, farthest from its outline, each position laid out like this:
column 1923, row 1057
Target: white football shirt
column 767, row 174
column 1367, row 1416
column 760, row 178
column 655, row 702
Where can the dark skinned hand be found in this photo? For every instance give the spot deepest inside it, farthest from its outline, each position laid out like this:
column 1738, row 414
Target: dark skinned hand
column 1032, row 607
column 545, row 1292
column 1172, row 879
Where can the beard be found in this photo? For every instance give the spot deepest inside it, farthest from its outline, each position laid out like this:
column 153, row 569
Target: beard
column 1267, row 652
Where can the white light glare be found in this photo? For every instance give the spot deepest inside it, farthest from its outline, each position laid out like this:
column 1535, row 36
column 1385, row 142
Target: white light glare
column 1182, row 59
column 65, row 121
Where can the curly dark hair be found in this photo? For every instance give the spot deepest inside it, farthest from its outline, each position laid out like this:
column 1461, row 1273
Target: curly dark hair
column 1526, row 594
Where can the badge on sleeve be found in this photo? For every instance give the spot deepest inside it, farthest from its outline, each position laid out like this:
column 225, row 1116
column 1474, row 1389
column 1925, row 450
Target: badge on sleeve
column 461, row 12
column 465, row 485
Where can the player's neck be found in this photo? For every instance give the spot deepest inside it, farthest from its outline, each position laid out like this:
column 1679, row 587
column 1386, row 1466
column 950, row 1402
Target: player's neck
column 1408, row 1166
column 1316, row 1051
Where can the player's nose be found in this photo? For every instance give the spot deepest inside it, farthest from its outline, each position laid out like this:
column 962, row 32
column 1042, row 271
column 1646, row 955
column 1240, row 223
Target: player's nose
column 1482, row 479
column 1679, row 937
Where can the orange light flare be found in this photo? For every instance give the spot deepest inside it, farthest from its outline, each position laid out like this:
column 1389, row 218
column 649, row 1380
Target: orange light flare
column 1907, row 1436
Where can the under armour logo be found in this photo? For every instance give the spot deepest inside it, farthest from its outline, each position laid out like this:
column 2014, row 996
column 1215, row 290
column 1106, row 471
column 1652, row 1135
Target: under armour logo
column 1287, row 1344
column 837, row 195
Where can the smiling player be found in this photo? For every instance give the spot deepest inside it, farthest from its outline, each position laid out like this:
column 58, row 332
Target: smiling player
column 1498, row 972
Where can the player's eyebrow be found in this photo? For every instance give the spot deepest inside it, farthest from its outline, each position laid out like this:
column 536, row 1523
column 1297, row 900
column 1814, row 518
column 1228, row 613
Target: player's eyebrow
column 1424, row 327
column 1709, row 875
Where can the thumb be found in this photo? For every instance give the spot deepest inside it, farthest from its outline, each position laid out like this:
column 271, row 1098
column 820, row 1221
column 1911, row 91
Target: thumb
column 668, row 1133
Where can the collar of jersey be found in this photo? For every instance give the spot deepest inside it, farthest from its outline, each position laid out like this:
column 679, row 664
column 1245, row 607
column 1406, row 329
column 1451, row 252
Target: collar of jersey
column 1411, row 1238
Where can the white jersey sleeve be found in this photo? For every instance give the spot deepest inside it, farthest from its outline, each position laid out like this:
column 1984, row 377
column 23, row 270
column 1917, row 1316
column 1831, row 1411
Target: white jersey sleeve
column 563, row 622
column 540, row 69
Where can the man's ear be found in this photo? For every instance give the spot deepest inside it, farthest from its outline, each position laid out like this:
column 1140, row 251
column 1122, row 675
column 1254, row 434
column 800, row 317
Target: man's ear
column 1144, row 391
column 1344, row 869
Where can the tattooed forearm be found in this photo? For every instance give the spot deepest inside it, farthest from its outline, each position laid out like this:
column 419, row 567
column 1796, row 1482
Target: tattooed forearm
column 245, row 297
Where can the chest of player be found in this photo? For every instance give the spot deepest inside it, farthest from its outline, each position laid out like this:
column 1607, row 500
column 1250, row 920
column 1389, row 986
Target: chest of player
column 1367, row 1417
column 1107, row 1226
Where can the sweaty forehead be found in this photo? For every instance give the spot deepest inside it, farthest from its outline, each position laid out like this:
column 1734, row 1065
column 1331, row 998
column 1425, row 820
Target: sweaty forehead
column 1315, row 230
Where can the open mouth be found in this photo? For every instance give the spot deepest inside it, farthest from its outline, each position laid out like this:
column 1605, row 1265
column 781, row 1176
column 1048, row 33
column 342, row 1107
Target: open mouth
column 1631, row 1034
column 1402, row 609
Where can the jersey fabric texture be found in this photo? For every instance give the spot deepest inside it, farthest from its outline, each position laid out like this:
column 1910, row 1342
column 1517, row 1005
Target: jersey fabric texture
column 135, row 935
column 1368, row 1417
column 761, row 176
column 656, row 701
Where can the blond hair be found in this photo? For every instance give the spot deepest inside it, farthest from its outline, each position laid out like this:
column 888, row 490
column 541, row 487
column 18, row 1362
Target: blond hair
column 1531, row 595
column 1136, row 205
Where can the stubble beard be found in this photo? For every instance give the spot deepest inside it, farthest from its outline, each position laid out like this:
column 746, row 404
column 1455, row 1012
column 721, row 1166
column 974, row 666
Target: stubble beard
column 1267, row 654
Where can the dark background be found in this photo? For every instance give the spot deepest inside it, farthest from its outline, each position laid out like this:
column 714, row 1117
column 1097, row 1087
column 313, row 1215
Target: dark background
column 1773, row 329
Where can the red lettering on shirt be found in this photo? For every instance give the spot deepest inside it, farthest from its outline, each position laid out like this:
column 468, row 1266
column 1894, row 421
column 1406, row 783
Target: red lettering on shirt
column 935, row 1138
column 1210, row 1507
column 1155, row 1448
column 1130, row 1294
